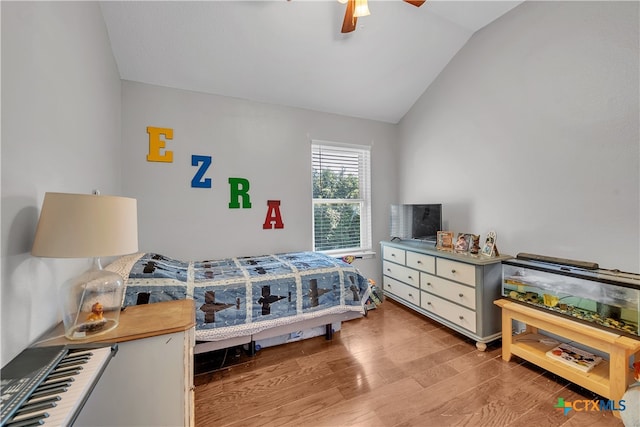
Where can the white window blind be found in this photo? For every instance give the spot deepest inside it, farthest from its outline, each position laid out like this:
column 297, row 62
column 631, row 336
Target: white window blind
column 341, row 197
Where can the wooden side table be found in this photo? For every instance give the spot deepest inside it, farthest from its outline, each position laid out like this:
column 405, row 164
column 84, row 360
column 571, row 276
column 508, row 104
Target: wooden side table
column 150, row 379
column 610, row 378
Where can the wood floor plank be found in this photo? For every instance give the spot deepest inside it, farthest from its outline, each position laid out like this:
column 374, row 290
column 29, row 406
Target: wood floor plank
column 394, row 368
column 306, row 407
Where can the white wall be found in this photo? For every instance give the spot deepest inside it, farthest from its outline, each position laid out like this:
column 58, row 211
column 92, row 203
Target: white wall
column 265, row 144
column 532, row 131
column 60, row 132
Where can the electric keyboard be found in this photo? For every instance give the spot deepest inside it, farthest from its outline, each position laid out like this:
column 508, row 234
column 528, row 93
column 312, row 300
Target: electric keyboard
column 49, row 385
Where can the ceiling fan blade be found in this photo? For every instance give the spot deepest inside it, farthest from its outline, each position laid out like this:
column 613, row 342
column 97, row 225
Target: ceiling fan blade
column 416, row 3
column 349, row 23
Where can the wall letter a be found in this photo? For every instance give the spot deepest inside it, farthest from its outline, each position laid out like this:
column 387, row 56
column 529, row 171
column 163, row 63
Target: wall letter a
column 273, row 215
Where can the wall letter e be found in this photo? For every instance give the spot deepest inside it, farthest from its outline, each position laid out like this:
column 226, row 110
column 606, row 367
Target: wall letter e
column 155, row 144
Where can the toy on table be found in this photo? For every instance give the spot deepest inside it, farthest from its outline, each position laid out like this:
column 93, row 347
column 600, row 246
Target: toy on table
column 97, row 313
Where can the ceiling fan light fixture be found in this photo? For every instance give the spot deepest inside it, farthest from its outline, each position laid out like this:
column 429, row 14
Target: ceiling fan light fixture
column 361, row 9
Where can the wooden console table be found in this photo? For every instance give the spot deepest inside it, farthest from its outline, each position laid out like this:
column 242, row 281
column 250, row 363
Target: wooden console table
column 150, row 379
column 610, row 378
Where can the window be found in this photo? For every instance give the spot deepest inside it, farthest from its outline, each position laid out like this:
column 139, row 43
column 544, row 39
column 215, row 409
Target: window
column 341, row 197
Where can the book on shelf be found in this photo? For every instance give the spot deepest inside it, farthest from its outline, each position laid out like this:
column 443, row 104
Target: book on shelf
column 574, row 356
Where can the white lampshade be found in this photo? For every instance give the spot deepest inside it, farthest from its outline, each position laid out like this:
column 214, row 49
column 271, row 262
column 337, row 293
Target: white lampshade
column 86, row 226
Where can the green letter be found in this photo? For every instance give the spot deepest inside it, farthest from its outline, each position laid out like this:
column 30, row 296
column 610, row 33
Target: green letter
column 239, row 188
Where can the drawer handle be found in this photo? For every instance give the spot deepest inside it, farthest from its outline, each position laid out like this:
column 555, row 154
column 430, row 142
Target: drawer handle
column 428, row 302
column 428, row 283
column 453, row 271
column 461, row 317
column 393, row 254
column 460, row 295
column 411, row 295
column 419, row 262
column 388, row 269
column 409, row 277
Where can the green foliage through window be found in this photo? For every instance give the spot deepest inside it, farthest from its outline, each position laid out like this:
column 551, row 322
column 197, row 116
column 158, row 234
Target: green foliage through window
column 340, row 180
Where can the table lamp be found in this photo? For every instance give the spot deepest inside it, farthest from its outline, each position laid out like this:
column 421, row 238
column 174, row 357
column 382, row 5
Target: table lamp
column 88, row 226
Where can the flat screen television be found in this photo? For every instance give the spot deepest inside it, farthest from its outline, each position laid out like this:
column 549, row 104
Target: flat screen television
column 418, row 222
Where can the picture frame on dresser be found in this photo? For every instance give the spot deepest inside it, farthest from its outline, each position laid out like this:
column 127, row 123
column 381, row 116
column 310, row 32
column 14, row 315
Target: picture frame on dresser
column 463, row 243
column 444, row 240
column 489, row 248
column 474, row 244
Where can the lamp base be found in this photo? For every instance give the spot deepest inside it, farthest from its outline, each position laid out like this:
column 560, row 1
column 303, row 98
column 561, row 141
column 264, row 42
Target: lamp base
column 89, row 329
column 91, row 304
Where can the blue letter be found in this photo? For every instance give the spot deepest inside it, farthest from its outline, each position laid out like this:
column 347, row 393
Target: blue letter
column 197, row 181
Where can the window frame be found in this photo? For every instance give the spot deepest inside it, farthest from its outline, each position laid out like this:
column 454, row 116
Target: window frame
column 364, row 187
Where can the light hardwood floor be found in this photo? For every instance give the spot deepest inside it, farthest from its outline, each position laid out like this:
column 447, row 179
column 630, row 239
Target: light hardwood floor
column 392, row 368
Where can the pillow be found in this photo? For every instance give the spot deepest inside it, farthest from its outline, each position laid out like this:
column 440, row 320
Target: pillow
column 123, row 265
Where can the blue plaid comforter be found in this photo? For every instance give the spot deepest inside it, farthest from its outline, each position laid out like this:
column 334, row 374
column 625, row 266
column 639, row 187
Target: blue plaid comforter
column 241, row 296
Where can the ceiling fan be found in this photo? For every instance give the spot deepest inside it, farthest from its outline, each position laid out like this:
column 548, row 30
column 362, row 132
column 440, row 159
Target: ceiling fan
column 357, row 8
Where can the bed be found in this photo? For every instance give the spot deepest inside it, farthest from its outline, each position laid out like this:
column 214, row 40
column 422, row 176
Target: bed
column 267, row 299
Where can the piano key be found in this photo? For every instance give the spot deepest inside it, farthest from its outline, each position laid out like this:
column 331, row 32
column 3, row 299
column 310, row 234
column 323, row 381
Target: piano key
column 30, row 416
column 75, row 352
column 48, row 380
column 65, row 382
column 76, row 357
column 37, row 407
column 38, row 399
column 60, row 369
column 73, row 399
column 35, row 420
column 49, row 392
column 64, row 374
column 75, row 362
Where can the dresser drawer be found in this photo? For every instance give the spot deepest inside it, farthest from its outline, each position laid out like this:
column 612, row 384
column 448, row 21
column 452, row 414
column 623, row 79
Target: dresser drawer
column 458, row 271
column 455, row 314
column 393, row 254
column 402, row 273
column 446, row 289
column 422, row 262
column 406, row 292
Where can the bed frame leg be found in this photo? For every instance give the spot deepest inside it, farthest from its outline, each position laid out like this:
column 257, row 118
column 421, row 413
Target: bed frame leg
column 252, row 348
column 328, row 335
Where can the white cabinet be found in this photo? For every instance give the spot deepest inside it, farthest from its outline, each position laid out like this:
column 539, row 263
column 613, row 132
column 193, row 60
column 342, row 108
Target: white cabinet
column 145, row 384
column 455, row 290
column 149, row 381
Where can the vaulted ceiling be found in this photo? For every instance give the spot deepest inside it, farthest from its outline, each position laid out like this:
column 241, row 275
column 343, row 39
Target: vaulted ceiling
column 292, row 52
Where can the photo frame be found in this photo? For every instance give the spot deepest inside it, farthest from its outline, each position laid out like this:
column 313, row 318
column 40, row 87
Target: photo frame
column 474, row 245
column 463, row 243
column 444, row 240
column 489, row 248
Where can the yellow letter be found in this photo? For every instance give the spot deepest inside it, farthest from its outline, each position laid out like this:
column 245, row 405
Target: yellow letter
column 155, row 144
column 594, row 405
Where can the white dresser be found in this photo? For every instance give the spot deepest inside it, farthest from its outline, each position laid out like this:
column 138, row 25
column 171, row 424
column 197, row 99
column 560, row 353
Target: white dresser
column 454, row 289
